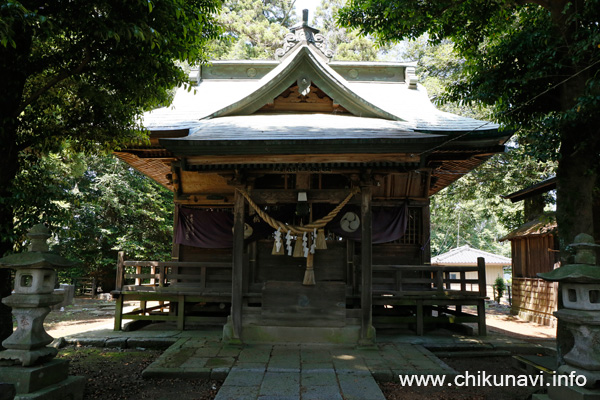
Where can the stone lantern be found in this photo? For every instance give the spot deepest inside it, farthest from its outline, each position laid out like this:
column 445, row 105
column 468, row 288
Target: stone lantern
column 33, row 296
column 580, row 289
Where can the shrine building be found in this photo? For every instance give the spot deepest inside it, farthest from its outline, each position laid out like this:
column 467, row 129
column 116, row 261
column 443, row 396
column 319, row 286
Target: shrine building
column 301, row 189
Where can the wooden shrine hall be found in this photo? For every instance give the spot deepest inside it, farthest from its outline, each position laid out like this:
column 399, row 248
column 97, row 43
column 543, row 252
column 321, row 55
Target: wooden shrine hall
column 302, row 192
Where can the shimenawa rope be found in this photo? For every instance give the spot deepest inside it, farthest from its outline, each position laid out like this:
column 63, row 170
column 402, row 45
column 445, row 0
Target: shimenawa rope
column 320, row 223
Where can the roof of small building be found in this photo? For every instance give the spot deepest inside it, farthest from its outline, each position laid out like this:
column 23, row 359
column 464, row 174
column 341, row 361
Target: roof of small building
column 541, row 187
column 465, row 255
column 541, row 226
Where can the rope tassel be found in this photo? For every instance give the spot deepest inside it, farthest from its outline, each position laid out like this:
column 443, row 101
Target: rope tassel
column 321, row 244
column 309, row 274
column 298, row 248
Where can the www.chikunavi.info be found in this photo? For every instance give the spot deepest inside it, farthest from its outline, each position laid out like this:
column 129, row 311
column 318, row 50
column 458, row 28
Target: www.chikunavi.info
column 483, row 379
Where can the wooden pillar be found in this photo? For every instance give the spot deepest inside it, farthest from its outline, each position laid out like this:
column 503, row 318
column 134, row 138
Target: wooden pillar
column 175, row 247
column 238, row 265
column 120, row 281
column 366, row 297
column 181, row 312
column 118, row 288
column 482, row 294
column 481, row 277
column 351, row 273
column 118, row 312
column 426, row 238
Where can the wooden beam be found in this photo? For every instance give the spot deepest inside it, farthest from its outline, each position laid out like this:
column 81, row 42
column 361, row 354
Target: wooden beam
column 366, row 296
column 238, row 265
column 304, row 158
column 303, row 181
column 333, row 196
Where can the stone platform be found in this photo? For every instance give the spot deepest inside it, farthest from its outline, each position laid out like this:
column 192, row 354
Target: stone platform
column 294, row 371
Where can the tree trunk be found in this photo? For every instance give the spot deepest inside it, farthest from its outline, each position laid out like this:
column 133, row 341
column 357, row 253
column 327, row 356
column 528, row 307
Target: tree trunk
column 13, row 69
column 576, row 175
column 576, row 178
column 8, row 170
column 578, row 165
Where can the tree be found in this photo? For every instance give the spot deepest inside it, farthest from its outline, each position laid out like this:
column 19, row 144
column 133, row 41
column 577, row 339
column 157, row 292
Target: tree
column 254, row 29
column 96, row 206
column 536, row 62
column 471, row 210
column 499, row 288
column 346, row 45
column 84, row 71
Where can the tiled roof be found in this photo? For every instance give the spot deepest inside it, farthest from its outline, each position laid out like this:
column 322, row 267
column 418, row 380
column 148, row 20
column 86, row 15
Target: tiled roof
column 388, row 100
column 465, row 255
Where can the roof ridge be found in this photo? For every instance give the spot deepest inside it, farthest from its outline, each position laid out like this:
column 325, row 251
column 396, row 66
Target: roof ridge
column 467, row 249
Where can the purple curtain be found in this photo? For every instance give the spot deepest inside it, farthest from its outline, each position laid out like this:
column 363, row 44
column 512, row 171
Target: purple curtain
column 213, row 229
column 388, row 223
column 204, row 228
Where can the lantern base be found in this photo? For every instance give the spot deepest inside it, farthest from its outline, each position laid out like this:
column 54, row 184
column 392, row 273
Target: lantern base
column 27, row 358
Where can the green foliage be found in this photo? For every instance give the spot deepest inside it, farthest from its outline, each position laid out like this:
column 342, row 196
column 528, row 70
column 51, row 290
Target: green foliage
column 474, row 202
column 438, row 66
column 254, row 29
column 346, row 45
column 536, row 64
column 499, row 288
column 84, row 70
column 511, row 54
column 472, row 210
column 95, row 206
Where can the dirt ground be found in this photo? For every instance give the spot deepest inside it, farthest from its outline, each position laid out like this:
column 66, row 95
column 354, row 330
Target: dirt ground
column 116, row 373
column 498, row 366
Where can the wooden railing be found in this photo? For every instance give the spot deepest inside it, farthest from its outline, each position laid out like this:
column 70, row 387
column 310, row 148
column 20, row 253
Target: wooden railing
column 429, row 280
column 169, row 285
column 445, row 289
column 175, row 283
column 167, row 276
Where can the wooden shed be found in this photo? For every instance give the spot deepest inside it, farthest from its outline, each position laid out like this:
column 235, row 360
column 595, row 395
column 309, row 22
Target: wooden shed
column 302, row 192
column 534, row 249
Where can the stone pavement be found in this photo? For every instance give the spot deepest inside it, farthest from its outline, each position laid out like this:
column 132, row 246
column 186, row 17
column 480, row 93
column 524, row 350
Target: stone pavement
column 294, row 372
